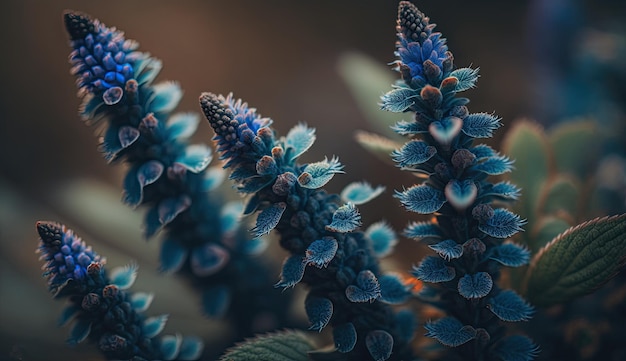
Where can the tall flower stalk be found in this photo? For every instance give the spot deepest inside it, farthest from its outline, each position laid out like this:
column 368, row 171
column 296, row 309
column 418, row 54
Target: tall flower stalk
column 337, row 262
column 170, row 177
column 99, row 305
column 468, row 232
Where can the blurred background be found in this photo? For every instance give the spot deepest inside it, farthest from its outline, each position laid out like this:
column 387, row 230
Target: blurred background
column 544, row 60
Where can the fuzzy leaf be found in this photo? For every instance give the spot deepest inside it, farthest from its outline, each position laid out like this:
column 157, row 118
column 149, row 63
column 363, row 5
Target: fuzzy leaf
column 299, row 139
column 461, row 194
column 433, row 269
column 213, row 177
column 360, row 193
column 367, row 288
column 230, row 216
column 292, row 271
column 392, row 289
column 516, row 348
column 170, row 208
column 268, row 219
column 423, row 231
column 141, row 301
column 279, row 346
column 511, row 254
column 503, row 224
column 165, row 98
column 190, row 349
column 321, row 252
column 467, row 78
column 208, row 259
column 575, row 147
column 509, row 306
column 477, row 285
column 503, row 190
column 153, row 326
column 182, row 125
column 480, row 125
column 79, row 332
column 446, row 129
column 316, row 175
column 495, row 165
column 319, row 310
column 379, row 343
column 172, row 256
column 345, row 219
column 483, row 151
column 382, row 238
column 409, row 128
column 398, row 100
column 422, row 199
column 578, row 261
column 448, row 249
column 139, row 177
column 413, row 153
column 255, row 246
column 345, row 337
column 195, row 158
column 216, row 300
column 450, row 331
column 170, row 346
column 124, row 277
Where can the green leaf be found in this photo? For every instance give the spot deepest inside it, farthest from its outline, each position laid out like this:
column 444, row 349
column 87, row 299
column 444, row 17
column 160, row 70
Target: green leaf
column 561, row 193
column 367, row 80
column 578, row 261
column 278, row 346
column 574, row 146
column 527, row 144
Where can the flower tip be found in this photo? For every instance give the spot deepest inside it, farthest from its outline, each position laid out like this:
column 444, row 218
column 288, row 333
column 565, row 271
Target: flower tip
column 77, row 24
column 46, row 229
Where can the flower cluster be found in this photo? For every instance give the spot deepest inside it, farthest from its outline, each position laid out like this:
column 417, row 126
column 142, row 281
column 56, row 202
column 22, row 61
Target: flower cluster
column 468, row 231
column 103, row 311
column 338, row 263
column 168, row 176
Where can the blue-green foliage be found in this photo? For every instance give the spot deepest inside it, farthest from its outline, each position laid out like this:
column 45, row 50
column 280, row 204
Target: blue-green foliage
column 328, row 253
column 468, row 232
column 102, row 310
column 166, row 174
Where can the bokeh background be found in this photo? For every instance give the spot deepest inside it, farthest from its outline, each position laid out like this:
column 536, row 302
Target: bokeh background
column 280, row 56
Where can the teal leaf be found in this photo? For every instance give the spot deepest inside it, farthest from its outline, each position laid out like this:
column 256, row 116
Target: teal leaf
column 79, row 332
column 409, row 128
column 398, row 100
column 510, row 307
column 298, row 140
column 213, row 177
column 208, row 259
column 170, row 346
column 68, row 314
column 483, row 151
column 423, row 231
column 367, row 288
column 503, row 190
column 216, row 300
column 230, row 216
column 379, row 343
column 461, row 194
column 190, row 349
column 139, row 177
column 413, row 153
column 495, row 165
column 182, row 125
column 319, row 310
column 422, row 199
column 124, row 277
column 448, row 249
column 153, row 326
column 477, row 285
column 467, row 78
column 268, row 219
column 255, row 246
column 292, row 271
column 578, row 261
column 360, row 192
column 433, row 269
column 195, row 158
column 147, row 68
column 392, row 289
column 511, row 255
column 516, row 348
column 503, row 224
column 345, row 219
column 165, row 97
column 279, row 346
column 141, row 301
column 170, row 208
column 345, row 337
column 382, row 238
column 407, row 323
column 321, row 252
column 316, row 175
column 450, row 331
column 172, row 255
column 480, row 125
